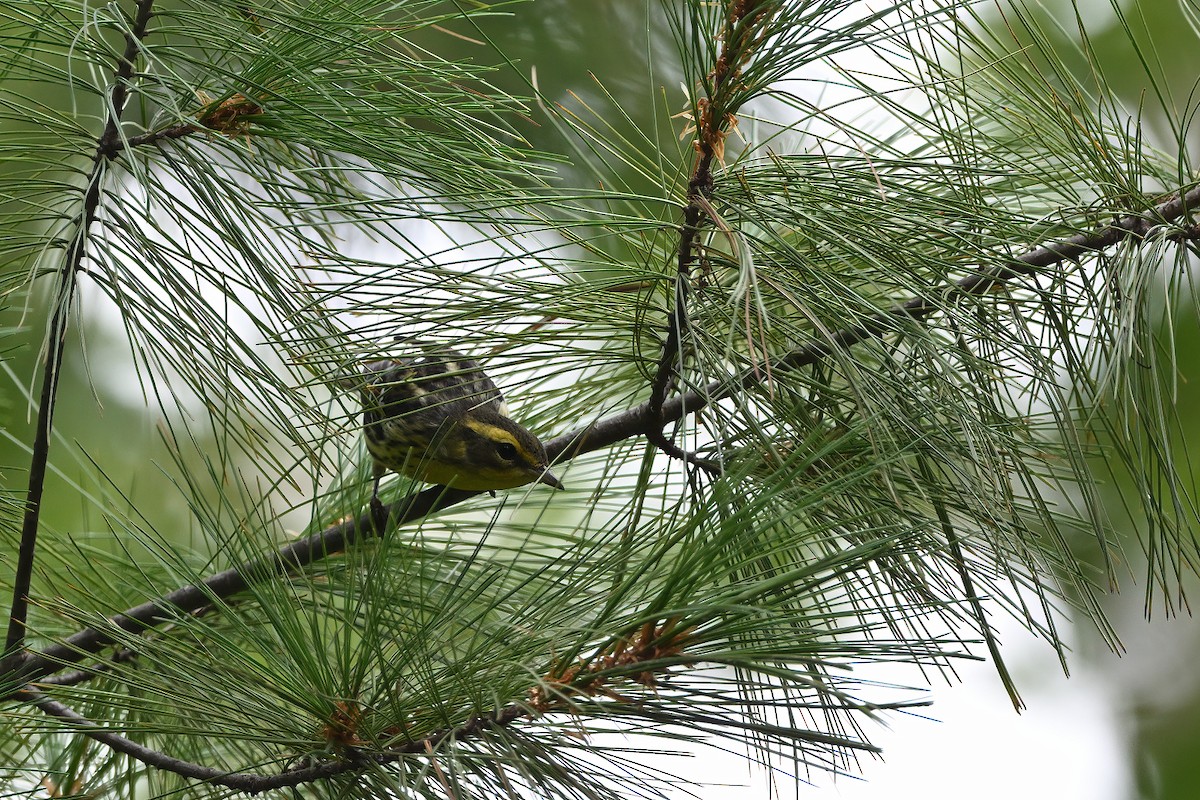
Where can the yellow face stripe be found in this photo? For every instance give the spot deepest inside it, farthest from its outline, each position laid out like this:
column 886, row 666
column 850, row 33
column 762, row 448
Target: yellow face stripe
column 493, row 433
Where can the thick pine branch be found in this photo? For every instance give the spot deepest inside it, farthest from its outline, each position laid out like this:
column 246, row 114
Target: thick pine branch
column 599, row 435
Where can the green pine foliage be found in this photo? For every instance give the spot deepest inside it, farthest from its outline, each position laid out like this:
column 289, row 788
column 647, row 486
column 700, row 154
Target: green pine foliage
column 846, row 328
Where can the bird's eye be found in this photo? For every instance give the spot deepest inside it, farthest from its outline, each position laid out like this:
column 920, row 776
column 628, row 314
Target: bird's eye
column 507, row 451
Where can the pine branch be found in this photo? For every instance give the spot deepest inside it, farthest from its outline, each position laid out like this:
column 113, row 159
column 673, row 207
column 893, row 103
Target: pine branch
column 641, row 658
column 247, row 782
column 604, row 433
column 106, row 147
column 1072, row 248
column 713, row 117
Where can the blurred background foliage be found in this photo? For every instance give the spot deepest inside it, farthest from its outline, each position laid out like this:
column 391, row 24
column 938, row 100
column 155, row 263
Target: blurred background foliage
column 562, row 46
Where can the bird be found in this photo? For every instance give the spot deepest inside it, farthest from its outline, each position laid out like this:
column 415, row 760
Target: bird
column 437, row 417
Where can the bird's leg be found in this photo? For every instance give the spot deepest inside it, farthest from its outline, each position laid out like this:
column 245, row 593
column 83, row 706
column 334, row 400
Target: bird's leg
column 379, row 514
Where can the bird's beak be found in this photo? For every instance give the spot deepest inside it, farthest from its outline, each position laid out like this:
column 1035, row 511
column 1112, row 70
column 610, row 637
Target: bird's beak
column 550, row 480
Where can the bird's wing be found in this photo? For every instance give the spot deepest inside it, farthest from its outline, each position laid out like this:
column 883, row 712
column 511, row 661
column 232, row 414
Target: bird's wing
column 442, row 379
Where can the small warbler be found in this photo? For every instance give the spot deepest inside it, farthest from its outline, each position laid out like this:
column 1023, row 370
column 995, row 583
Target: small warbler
column 438, row 418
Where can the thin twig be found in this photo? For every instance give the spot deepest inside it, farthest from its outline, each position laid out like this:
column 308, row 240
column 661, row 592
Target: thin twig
column 712, row 126
column 150, row 137
column 57, row 336
column 140, row 752
column 596, row 436
column 251, row 782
